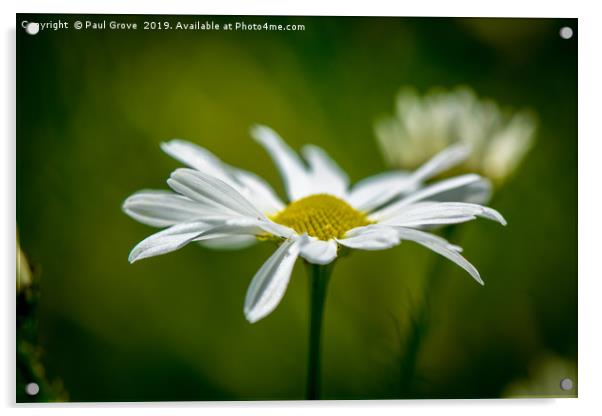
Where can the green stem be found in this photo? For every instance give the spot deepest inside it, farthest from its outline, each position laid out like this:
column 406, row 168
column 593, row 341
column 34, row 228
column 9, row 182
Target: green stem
column 319, row 276
column 420, row 323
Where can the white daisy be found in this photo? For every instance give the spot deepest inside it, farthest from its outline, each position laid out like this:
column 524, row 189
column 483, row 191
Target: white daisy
column 423, row 125
column 225, row 207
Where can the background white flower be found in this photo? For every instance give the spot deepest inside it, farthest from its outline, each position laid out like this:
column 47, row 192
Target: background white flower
column 544, row 378
column 423, row 125
column 226, row 207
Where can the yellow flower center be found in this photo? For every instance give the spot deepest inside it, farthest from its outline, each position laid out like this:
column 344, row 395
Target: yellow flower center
column 322, row 216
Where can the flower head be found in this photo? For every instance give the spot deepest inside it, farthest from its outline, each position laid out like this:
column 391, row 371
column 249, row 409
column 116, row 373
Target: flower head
column 221, row 206
column 424, row 125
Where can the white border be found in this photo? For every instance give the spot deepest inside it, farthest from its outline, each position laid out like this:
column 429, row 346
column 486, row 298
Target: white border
column 465, row 8
column 590, row 139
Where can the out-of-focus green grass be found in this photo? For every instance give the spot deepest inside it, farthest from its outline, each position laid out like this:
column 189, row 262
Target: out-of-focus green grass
column 92, row 108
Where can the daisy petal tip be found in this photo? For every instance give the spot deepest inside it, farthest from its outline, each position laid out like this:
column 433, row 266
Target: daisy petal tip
column 318, row 251
column 128, row 206
column 171, row 182
column 495, row 216
column 308, row 149
column 179, row 175
column 503, row 221
column 171, row 146
column 257, row 126
column 477, row 277
column 458, row 151
column 184, row 171
column 253, row 315
column 137, row 254
column 250, row 318
column 258, row 131
column 132, row 258
column 321, row 261
column 464, row 149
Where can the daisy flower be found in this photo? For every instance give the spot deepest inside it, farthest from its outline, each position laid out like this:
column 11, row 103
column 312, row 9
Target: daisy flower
column 221, row 206
column 424, row 125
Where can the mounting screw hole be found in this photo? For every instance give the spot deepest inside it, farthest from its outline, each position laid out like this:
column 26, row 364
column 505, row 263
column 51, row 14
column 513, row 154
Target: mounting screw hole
column 566, row 32
column 566, row 384
column 32, row 389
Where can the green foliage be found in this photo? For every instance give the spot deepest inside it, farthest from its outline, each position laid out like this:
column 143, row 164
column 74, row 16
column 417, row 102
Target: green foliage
column 30, row 354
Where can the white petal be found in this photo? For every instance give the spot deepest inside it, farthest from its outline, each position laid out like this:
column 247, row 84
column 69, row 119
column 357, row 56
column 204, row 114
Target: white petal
column 377, row 190
column 245, row 226
column 210, row 190
column 374, row 191
column 196, row 157
column 434, row 213
column 478, row 192
column 278, row 230
column 163, row 208
column 251, row 225
column 229, row 242
column 319, row 251
column 371, row 237
column 444, row 160
column 269, row 284
column 440, row 246
column 168, row 240
column 257, row 191
column 430, row 191
column 437, row 188
column 291, row 167
column 179, row 235
column 326, row 176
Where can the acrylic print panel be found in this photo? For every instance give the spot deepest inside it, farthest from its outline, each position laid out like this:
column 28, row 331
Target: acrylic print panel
column 288, row 208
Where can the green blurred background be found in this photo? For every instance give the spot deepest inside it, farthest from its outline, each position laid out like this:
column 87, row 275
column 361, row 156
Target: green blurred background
column 92, row 108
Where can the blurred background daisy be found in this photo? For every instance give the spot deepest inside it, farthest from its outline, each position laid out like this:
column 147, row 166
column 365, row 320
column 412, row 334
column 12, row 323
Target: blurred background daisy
column 422, row 125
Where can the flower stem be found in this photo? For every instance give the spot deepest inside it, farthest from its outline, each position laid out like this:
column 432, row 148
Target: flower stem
column 319, row 276
column 420, row 323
